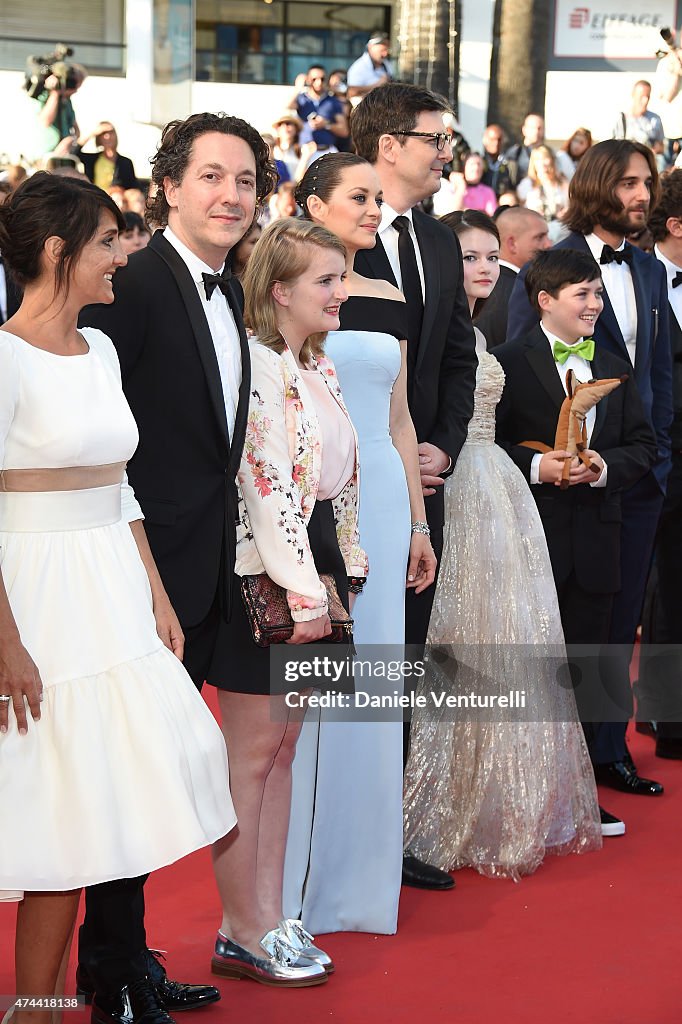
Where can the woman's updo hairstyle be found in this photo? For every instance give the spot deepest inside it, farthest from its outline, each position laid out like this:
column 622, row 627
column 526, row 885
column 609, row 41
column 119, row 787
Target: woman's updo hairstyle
column 323, row 176
column 47, row 205
column 460, row 221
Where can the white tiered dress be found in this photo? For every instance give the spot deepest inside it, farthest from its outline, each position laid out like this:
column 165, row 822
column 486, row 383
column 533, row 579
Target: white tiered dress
column 126, row 771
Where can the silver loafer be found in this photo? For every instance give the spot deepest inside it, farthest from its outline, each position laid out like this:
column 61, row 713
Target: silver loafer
column 304, row 942
column 283, row 965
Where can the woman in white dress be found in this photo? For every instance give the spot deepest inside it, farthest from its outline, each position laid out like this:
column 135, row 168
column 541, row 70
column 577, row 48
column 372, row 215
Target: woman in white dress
column 495, row 795
column 116, row 742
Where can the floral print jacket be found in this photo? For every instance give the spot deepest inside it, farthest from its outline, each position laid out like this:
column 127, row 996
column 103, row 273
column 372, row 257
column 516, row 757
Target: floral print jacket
column 278, row 481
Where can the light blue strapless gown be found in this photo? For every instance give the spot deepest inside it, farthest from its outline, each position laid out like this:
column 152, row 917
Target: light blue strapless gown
column 344, row 852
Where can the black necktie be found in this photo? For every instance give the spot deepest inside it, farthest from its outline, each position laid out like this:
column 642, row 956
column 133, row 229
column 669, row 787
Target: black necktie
column 213, row 281
column 609, row 255
column 677, row 279
column 412, row 286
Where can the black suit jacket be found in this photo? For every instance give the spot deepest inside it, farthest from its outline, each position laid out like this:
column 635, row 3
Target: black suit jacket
column 653, row 364
column 184, row 469
column 492, row 322
column 124, row 172
column 583, row 523
column 441, row 363
column 13, row 293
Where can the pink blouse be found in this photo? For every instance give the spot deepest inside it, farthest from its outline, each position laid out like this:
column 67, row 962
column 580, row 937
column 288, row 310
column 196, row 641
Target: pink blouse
column 338, row 441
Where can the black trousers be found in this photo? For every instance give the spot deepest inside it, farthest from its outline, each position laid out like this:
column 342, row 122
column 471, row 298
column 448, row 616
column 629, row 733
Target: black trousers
column 112, row 942
column 417, row 616
column 660, row 679
column 641, row 507
column 586, row 621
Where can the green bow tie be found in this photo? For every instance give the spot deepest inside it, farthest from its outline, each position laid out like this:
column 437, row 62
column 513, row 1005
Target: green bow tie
column 584, row 348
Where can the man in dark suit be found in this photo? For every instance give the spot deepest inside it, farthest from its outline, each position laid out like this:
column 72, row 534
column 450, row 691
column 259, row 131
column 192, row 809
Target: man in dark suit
column 177, row 326
column 610, row 196
column 660, row 678
column 400, row 130
column 583, row 522
column 10, row 296
column 523, row 234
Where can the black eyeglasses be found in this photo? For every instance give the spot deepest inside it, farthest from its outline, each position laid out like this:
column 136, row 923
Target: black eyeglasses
column 441, row 139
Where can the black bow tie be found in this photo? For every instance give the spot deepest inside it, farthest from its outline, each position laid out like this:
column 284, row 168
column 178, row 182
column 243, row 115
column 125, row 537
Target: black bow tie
column 213, row 281
column 609, row 255
column 677, row 279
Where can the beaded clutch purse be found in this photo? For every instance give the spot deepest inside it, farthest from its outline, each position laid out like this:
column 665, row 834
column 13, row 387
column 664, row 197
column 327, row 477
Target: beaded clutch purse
column 268, row 612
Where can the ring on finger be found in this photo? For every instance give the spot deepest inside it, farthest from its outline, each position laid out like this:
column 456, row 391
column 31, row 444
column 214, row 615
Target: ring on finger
column 5, row 698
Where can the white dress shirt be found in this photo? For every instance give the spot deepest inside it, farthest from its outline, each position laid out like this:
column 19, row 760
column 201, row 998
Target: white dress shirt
column 583, row 372
column 389, row 238
column 222, row 326
column 620, row 288
column 509, row 266
column 674, row 294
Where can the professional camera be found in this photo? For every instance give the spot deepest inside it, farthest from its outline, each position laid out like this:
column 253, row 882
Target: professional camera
column 39, row 69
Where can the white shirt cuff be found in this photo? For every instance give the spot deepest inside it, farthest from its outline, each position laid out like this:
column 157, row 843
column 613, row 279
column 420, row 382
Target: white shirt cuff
column 601, row 482
column 535, row 469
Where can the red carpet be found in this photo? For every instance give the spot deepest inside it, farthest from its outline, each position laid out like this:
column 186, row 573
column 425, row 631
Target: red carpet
column 593, row 939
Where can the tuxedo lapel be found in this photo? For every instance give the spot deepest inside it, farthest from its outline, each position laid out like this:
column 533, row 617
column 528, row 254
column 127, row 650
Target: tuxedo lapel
column 599, row 372
column 431, row 266
column 542, row 364
column 244, row 387
column 200, row 328
column 641, row 279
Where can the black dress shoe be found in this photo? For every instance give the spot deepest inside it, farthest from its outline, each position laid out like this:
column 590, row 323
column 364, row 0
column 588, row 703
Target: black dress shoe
column 618, row 775
column 647, row 728
column 420, row 875
column 137, row 1003
column 174, row 995
column 177, row 995
column 669, row 747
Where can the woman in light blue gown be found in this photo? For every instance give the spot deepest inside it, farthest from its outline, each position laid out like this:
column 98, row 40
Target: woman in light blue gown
column 345, row 846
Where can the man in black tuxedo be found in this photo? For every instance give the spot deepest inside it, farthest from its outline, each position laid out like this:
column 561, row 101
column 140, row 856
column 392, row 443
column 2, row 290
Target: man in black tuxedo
column 660, row 679
column 177, row 326
column 610, row 196
column 582, row 523
column 523, row 234
column 10, row 296
column 400, row 130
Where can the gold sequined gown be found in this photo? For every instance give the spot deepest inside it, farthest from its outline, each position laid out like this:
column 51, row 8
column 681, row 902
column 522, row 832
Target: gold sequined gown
column 496, row 795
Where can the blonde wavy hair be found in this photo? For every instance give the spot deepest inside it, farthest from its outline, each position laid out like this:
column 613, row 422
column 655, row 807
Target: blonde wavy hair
column 283, row 252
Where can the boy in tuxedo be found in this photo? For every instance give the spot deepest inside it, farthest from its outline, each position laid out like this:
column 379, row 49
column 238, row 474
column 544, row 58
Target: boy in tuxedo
column 582, row 523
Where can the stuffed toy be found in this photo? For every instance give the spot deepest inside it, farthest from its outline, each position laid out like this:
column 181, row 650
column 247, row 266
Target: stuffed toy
column 571, row 431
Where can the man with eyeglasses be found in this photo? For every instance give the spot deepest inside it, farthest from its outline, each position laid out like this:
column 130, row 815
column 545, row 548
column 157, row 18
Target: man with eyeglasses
column 322, row 113
column 401, row 131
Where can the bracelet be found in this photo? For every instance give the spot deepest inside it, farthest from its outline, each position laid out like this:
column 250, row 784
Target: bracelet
column 421, row 528
column 355, row 584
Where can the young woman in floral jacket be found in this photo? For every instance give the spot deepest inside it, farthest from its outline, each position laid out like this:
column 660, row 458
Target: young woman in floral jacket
column 298, row 519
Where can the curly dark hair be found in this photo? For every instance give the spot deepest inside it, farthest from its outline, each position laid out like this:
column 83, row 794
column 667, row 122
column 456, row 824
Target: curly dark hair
column 45, row 205
column 175, row 152
column 592, row 189
column 669, row 204
column 323, row 176
column 389, row 109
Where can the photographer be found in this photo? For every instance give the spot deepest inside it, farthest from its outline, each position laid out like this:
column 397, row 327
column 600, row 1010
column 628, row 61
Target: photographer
column 668, row 83
column 58, row 128
column 322, row 114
